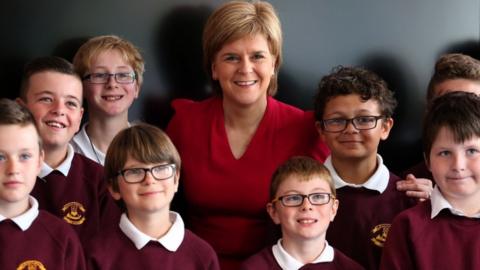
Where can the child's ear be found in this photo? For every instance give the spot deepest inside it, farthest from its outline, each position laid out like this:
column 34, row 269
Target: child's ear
column 115, row 195
column 272, row 211
column 427, row 163
column 21, row 102
column 318, row 126
column 176, row 180
column 137, row 91
column 334, row 209
column 41, row 157
column 387, row 125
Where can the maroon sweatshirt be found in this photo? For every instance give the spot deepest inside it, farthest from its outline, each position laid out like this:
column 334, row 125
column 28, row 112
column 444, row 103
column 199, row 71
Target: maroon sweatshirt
column 113, row 250
column 81, row 198
column 363, row 219
column 417, row 241
column 264, row 260
column 48, row 242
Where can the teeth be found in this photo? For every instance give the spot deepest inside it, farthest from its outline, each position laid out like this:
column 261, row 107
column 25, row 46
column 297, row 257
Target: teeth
column 307, row 221
column 112, row 98
column 458, row 178
column 55, row 124
column 245, row 83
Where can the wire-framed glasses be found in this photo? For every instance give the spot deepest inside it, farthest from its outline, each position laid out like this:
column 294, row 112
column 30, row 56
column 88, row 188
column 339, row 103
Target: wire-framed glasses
column 293, row 200
column 121, row 77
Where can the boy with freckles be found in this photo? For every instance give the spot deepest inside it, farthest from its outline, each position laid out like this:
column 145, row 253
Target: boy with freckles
column 303, row 202
column 29, row 238
column 70, row 185
column 443, row 233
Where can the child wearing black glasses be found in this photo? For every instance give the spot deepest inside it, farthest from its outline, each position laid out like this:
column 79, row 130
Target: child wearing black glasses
column 303, row 203
column 142, row 168
column 353, row 109
column 112, row 73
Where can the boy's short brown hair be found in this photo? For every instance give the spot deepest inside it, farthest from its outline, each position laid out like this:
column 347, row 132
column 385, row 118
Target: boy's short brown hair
column 96, row 45
column 142, row 142
column 305, row 168
column 12, row 113
column 44, row 64
column 354, row 80
column 450, row 67
column 459, row 112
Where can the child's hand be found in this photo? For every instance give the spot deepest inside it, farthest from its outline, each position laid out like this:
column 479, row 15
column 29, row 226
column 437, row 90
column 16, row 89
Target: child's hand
column 419, row 188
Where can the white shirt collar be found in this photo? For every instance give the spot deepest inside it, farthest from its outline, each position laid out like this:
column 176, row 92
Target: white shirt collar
column 439, row 203
column 287, row 262
column 25, row 220
column 64, row 167
column 171, row 240
column 82, row 144
column 378, row 181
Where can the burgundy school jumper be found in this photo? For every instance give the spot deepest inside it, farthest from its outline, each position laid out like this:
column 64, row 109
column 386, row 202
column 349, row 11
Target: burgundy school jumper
column 447, row 241
column 113, row 250
column 363, row 218
column 81, row 200
column 48, row 242
column 265, row 260
column 226, row 197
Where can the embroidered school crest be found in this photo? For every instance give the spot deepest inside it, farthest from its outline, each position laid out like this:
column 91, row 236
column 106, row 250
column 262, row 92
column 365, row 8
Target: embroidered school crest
column 379, row 234
column 74, row 213
column 31, row 265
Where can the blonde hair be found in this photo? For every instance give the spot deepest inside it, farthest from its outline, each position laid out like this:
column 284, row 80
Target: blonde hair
column 96, row 45
column 236, row 19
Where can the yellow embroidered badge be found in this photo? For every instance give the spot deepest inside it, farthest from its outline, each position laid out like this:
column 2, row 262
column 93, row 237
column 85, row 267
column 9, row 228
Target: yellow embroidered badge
column 31, row 265
column 379, row 234
column 74, row 213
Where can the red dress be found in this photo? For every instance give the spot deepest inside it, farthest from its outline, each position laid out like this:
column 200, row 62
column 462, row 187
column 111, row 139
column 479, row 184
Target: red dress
column 225, row 196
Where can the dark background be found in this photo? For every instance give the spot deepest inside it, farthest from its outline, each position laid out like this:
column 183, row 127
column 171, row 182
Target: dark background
column 400, row 40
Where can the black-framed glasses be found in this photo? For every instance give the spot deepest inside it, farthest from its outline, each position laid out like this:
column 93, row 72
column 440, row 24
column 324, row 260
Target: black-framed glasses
column 293, row 200
column 360, row 123
column 121, row 77
column 137, row 175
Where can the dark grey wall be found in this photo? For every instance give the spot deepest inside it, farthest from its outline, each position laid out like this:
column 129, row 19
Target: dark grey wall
column 400, row 40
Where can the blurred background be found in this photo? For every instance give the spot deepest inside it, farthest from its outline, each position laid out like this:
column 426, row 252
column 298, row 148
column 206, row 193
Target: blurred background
column 399, row 40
